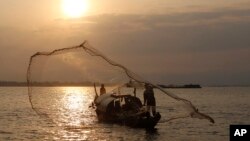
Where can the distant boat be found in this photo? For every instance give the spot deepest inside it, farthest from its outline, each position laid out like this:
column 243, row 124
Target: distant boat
column 125, row 110
column 181, row 86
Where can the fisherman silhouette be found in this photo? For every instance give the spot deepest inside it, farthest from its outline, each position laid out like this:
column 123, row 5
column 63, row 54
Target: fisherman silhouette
column 149, row 99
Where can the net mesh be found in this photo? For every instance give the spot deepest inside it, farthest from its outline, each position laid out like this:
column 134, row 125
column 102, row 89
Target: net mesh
column 83, row 66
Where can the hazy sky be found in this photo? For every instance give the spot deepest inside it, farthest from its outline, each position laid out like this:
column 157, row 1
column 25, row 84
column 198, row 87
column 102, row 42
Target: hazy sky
column 167, row 41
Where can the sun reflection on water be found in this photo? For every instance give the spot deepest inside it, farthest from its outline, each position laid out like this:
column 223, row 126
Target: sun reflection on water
column 74, row 98
column 75, row 109
column 72, row 118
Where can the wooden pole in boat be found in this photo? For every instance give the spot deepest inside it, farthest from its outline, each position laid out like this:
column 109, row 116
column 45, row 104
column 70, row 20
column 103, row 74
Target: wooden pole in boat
column 135, row 91
column 95, row 90
column 96, row 94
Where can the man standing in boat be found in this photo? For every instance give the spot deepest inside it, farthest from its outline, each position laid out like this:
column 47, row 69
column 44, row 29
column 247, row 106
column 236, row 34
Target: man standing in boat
column 102, row 90
column 149, row 99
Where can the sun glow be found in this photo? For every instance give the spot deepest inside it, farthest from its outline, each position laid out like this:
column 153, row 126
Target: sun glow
column 74, row 8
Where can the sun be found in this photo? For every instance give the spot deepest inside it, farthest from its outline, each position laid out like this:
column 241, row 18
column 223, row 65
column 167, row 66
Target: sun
column 74, row 8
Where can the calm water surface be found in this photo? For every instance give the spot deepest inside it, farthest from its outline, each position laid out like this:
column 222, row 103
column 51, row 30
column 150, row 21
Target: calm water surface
column 74, row 120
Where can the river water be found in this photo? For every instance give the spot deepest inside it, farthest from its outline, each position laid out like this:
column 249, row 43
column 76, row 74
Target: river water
column 227, row 105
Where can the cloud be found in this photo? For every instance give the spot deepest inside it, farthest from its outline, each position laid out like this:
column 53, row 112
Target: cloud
column 180, row 32
column 206, row 47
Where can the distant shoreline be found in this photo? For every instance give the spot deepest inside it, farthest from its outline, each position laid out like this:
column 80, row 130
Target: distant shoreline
column 44, row 84
column 81, row 84
column 78, row 84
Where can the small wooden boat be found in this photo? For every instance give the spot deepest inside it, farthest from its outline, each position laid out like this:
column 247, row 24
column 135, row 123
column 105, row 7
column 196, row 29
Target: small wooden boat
column 124, row 109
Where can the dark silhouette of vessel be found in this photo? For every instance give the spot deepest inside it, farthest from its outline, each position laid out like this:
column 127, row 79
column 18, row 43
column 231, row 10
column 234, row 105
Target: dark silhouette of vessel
column 124, row 109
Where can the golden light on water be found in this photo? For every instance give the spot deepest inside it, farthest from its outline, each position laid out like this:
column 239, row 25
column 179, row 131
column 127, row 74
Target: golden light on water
column 74, row 8
column 76, row 103
column 75, row 99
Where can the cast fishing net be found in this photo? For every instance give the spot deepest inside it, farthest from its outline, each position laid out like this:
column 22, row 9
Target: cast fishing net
column 60, row 86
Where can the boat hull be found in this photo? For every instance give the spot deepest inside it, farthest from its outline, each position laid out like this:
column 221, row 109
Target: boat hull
column 135, row 121
column 125, row 110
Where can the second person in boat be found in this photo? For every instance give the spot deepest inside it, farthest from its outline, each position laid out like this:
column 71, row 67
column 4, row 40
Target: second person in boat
column 102, row 90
